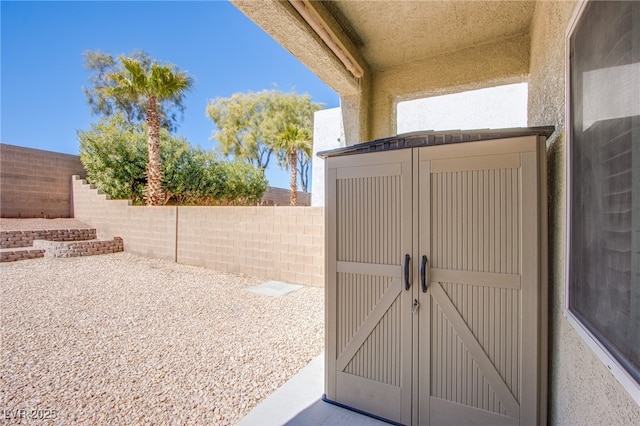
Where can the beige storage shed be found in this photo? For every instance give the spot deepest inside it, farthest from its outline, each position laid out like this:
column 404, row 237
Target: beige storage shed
column 436, row 294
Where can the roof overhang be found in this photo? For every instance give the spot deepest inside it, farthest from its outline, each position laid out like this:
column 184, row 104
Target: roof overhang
column 345, row 41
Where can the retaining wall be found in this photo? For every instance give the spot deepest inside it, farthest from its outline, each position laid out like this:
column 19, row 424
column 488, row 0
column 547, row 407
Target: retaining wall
column 79, row 248
column 15, row 239
column 279, row 243
column 24, row 254
column 36, row 183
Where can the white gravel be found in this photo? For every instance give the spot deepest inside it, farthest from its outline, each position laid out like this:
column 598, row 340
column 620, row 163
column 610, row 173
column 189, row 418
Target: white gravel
column 120, row 339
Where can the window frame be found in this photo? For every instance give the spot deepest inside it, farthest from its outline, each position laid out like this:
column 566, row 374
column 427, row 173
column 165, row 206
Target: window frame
column 615, row 367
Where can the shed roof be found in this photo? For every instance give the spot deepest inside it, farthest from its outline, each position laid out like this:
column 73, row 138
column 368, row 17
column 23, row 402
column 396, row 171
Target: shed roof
column 429, row 138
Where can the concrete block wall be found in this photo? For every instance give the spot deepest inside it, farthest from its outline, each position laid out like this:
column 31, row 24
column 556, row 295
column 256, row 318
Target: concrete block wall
column 280, row 197
column 147, row 231
column 36, row 183
column 278, row 243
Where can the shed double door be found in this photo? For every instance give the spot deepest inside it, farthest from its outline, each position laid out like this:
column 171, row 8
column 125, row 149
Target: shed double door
column 435, row 283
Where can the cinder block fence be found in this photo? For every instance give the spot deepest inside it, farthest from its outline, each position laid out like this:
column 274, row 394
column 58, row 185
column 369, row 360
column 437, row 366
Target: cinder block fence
column 35, row 183
column 279, row 243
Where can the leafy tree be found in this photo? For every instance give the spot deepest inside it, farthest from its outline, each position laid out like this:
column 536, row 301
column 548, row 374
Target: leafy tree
column 244, row 123
column 293, row 141
column 250, row 125
column 244, row 184
column 114, row 154
column 194, row 177
column 103, row 104
column 298, row 111
column 149, row 86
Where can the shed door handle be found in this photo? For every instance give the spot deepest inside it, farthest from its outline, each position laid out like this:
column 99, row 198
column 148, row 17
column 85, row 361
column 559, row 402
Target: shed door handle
column 407, row 282
column 423, row 273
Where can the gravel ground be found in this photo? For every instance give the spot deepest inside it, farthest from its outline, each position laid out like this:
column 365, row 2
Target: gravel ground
column 120, row 339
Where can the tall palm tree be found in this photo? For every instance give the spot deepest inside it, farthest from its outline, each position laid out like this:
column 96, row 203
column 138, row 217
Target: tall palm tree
column 294, row 141
column 151, row 86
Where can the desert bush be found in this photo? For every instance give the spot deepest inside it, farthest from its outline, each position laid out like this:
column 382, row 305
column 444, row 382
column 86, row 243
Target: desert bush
column 114, row 153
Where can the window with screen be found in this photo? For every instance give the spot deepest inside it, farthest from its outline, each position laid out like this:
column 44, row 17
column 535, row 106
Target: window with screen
column 604, row 178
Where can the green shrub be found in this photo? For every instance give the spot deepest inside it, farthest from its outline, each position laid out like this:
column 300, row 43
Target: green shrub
column 114, row 156
column 114, row 153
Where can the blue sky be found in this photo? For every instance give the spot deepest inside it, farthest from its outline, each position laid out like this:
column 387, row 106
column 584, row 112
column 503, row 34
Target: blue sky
column 42, row 103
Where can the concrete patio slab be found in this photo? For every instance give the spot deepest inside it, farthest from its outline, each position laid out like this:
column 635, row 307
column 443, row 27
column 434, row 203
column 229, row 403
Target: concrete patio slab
column 274, row 288
column 299, row 402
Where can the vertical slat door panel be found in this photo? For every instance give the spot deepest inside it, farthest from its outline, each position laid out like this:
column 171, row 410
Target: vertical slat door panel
column 369, row 213
column 472, row 352
column 471, row 318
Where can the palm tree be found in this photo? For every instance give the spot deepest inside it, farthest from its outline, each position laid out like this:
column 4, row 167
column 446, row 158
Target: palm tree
column 151, row 86
column 293, row 142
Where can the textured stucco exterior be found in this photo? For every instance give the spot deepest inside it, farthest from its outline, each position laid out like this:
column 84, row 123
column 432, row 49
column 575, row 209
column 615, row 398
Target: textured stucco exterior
column 582, row 391
column 281, row 21
column 478, row 67
column 465, row 45
column 328, row 133
column 492, row 108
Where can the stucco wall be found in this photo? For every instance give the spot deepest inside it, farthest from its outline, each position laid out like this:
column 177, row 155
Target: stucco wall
column 489, row 108
column 36, row 183
column 503, row 62
column 328, row 133
column 582, row 391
